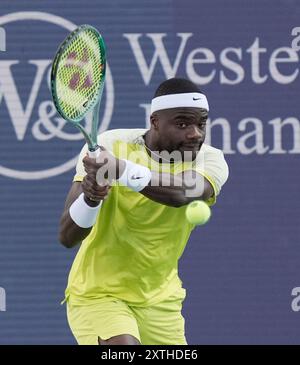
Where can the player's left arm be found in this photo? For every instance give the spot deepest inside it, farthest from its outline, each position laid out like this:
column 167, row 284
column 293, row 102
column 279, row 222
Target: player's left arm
column 178, row 190
column 169, row 189
column 204, row 182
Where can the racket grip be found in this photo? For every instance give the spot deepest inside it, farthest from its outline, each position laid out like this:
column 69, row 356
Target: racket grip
column 94, row 154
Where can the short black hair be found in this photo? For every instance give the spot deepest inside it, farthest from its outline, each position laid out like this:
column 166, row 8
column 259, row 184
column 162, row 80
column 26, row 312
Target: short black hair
column 176, row 86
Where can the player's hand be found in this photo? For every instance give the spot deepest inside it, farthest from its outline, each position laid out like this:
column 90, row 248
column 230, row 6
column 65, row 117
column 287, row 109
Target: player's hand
column 96, row 189
column 105, row 167
column 93, row 192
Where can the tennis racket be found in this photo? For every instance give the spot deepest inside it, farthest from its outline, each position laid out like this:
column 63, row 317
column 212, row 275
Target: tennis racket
column 77, row 80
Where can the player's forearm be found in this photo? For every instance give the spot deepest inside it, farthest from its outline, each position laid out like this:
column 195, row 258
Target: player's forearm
column 70, row 234
column 163, row 188
column 166, row 189
column 177, row 190
column 71, row 231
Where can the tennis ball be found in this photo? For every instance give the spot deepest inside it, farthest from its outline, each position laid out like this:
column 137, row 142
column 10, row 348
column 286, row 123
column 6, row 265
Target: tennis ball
column 198, row 212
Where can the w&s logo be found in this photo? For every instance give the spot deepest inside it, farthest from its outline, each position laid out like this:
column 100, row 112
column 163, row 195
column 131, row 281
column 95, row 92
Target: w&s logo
column 35, row 142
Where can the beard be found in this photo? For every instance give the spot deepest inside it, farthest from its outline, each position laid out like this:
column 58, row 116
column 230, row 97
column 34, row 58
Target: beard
column 189, row 152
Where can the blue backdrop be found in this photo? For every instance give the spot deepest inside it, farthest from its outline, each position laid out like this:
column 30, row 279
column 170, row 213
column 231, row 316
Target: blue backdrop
column 241, row 270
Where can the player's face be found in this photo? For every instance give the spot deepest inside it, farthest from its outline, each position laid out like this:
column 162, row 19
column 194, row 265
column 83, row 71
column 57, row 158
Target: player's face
column 182, row 129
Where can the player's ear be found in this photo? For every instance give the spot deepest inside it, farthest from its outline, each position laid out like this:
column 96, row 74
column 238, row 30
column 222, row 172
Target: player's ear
column 154, row 121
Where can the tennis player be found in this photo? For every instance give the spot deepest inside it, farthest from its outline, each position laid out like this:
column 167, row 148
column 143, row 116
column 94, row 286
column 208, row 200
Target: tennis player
column 123, row 287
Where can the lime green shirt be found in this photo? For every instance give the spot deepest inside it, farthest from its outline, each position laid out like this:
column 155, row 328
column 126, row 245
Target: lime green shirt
column 132, row 252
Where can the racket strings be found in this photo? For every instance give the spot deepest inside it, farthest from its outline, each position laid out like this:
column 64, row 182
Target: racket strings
column 79, row 75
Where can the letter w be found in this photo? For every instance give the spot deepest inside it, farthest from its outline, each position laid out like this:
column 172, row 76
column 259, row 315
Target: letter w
column 20, row 117
column 160, row 53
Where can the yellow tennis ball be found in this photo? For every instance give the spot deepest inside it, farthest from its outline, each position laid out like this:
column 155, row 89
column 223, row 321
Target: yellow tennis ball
column 198, row 212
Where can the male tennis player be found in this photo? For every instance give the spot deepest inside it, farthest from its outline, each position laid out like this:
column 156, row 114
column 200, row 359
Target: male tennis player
column 124, row 287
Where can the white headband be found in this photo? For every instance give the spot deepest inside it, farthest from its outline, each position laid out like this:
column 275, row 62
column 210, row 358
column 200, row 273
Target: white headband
column 194, row 100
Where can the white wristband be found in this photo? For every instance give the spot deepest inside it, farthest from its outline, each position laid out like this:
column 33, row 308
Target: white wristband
column 135, row 177
column 82, row 214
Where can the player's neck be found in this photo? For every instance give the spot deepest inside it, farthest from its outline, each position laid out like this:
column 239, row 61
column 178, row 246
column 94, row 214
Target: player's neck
column 153, row 149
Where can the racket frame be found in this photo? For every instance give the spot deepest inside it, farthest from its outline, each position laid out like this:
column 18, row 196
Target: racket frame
column 91, row 138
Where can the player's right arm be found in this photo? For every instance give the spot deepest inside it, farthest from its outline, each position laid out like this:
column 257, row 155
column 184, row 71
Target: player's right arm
column 70, row 234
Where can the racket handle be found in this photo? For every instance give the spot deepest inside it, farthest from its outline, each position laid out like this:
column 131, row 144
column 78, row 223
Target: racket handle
column 94, row 154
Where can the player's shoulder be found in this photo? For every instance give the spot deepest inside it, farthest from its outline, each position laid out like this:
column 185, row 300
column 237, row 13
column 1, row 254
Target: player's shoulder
column 207, row 149
column 128, row 135
column 211, row 157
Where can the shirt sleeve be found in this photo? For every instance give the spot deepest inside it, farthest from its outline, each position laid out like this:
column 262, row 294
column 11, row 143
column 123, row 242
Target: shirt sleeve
column 214, row 168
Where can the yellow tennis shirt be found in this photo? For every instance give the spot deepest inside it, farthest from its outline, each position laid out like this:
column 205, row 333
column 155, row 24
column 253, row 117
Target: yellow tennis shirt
column 132, row 252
